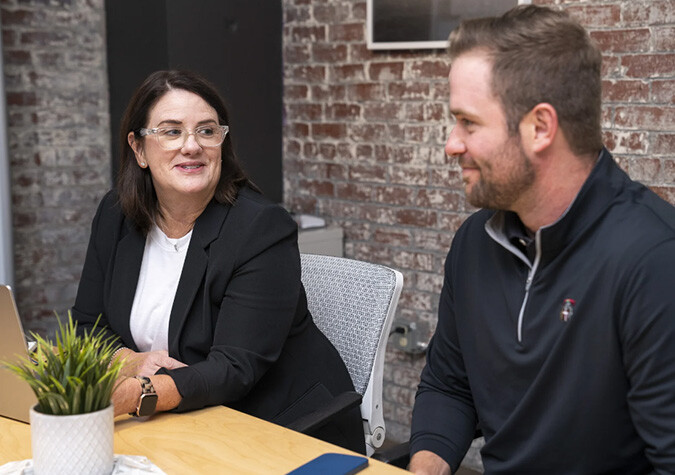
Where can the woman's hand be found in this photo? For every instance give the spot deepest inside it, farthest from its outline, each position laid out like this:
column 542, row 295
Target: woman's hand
column 146, row 364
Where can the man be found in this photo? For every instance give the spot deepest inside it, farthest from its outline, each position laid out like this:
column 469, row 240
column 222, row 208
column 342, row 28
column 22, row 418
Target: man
column 556, row 329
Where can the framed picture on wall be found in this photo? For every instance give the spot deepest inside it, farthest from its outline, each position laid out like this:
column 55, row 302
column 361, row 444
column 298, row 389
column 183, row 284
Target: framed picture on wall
column 424, row 24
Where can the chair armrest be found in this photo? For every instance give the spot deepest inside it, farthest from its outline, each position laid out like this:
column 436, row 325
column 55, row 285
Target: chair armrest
column 397, row 455
column 320, row 417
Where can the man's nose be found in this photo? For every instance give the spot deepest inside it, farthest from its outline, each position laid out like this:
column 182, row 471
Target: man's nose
column 454, row 145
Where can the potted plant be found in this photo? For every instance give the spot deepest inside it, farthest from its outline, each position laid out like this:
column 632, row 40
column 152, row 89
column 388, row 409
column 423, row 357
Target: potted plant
column 73, row 379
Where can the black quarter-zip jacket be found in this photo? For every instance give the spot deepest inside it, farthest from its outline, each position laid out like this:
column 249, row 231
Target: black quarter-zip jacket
column 565, row 363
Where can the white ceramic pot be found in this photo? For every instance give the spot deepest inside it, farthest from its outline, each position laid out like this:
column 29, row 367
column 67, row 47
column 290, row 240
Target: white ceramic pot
column 78, row 444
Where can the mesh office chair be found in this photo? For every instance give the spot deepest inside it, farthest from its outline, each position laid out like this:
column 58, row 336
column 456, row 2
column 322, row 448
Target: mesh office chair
column 353, row 304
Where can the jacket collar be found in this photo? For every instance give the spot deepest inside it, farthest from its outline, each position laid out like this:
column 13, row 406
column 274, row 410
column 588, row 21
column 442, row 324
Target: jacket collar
column 127, row 268
column 603, row 184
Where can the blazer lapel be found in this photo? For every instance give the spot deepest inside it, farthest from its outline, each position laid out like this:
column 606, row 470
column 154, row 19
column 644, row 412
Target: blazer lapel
column 206, row 230
column 125, row 279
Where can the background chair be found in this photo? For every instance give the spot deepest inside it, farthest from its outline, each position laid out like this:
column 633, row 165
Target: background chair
column 353, row 304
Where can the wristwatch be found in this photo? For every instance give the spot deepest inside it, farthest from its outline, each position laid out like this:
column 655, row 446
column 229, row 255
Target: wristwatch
column 148, row 401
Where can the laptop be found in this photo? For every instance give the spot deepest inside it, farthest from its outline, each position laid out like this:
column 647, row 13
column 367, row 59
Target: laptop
column 16, row 396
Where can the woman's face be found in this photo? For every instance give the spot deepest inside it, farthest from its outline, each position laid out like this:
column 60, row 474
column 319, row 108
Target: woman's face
column 192, row 171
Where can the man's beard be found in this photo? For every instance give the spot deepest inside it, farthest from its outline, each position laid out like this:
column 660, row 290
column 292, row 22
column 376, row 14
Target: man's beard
column 519, row 176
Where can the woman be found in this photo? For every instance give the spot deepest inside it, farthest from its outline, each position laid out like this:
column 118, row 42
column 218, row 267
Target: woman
column 199, row 276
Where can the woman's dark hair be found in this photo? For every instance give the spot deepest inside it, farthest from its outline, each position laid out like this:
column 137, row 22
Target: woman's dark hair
column 134, row 184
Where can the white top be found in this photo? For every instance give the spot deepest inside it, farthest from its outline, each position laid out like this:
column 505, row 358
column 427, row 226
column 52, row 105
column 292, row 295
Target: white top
column 163, row 260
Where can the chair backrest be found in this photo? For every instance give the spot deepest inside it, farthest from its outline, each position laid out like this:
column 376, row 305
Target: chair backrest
column 353, row 304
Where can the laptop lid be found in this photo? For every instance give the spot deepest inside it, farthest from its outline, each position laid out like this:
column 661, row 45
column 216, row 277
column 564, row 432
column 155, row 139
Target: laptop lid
column 16, row 396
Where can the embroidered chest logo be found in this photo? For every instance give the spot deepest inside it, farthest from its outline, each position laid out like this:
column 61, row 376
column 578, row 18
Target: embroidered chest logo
column 567, row 310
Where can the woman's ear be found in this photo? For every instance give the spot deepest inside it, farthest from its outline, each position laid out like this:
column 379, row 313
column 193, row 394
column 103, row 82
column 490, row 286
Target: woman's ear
column 539, row 127
column 138, row 150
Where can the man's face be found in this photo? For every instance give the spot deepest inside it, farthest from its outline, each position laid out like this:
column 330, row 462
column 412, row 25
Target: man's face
column 495, row 170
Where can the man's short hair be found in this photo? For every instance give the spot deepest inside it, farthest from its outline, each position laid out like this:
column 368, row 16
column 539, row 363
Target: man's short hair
column 540, row 55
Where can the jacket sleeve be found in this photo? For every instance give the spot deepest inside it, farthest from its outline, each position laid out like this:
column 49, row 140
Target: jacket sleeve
column 89, row 300
column 258, row 308
column 647, row 332
column 444, row 419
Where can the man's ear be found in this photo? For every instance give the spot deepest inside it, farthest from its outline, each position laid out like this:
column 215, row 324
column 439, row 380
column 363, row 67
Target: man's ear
column 539, row 127
column 137, row 148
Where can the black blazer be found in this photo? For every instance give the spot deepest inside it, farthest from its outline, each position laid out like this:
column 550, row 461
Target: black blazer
column 239, row 318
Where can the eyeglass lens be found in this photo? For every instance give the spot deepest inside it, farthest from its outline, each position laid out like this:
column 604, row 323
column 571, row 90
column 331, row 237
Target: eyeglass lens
column 173, row 138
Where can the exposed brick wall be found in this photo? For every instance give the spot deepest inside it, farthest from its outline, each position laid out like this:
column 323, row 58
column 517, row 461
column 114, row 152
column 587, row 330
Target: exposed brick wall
column 58, row 140
column 364, row 134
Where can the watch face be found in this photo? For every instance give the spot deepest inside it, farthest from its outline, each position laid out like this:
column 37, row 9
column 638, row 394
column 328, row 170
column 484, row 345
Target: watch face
column 147, row 405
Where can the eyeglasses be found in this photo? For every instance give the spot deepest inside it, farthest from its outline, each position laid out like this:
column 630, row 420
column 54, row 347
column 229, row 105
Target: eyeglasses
column 173, row 138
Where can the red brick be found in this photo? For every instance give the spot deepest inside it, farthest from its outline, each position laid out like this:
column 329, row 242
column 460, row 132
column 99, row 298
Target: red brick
column 414, row 90
column 376, row 253
column 364, row 151
column 445, row 200
column 354, row 191
column 645, row 170
column 296, row 53
column 308, row 34
column 414, row 112
column 305, row 112
column 295, row 92
column 611, row 66
column 663, row 38
column 622, row 41
column 328, row 131
column 596, row 15
column 360, row 52
column 645, row 117
column 331, row 13
column 21, row 98
column 296, row 15
column 415, row 217
column 306, row 73
column 382, row 111
column 625, row 91
column 348, row 72
column 328, row 53
column 429, row 69
column 324, row 92
column 663, row 92
column 451, row 221
column 394, row 195
column 367, row 173
column 17, row 57
column 343, row 111
column 668, row 175
column 44, row 38
column 347, row 32
column 663, row 144
column 417, row 300
column 435, row 111
column 301, row 204
column 414, row 260
column 386, row 71
column 447, row 178
column 429, row 282
column 649, row 65
column 366, row 92
column 359, row 11
column 417, row 176
column 297, row 129
column 367, row 132
column 20, row 17
column 317, row 188
column 336, row 172
column 623, row 142
column 394, row 153
column 432, row 240
column 652, row 12
column 392, row 237
column 292, row 147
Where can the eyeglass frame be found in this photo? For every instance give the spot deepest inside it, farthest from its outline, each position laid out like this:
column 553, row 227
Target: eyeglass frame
column 144, row 132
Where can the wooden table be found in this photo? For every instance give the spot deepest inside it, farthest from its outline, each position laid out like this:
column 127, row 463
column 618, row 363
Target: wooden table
column 212, row 440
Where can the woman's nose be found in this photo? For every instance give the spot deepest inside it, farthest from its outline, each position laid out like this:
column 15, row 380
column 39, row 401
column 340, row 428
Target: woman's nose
column 191, row 145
